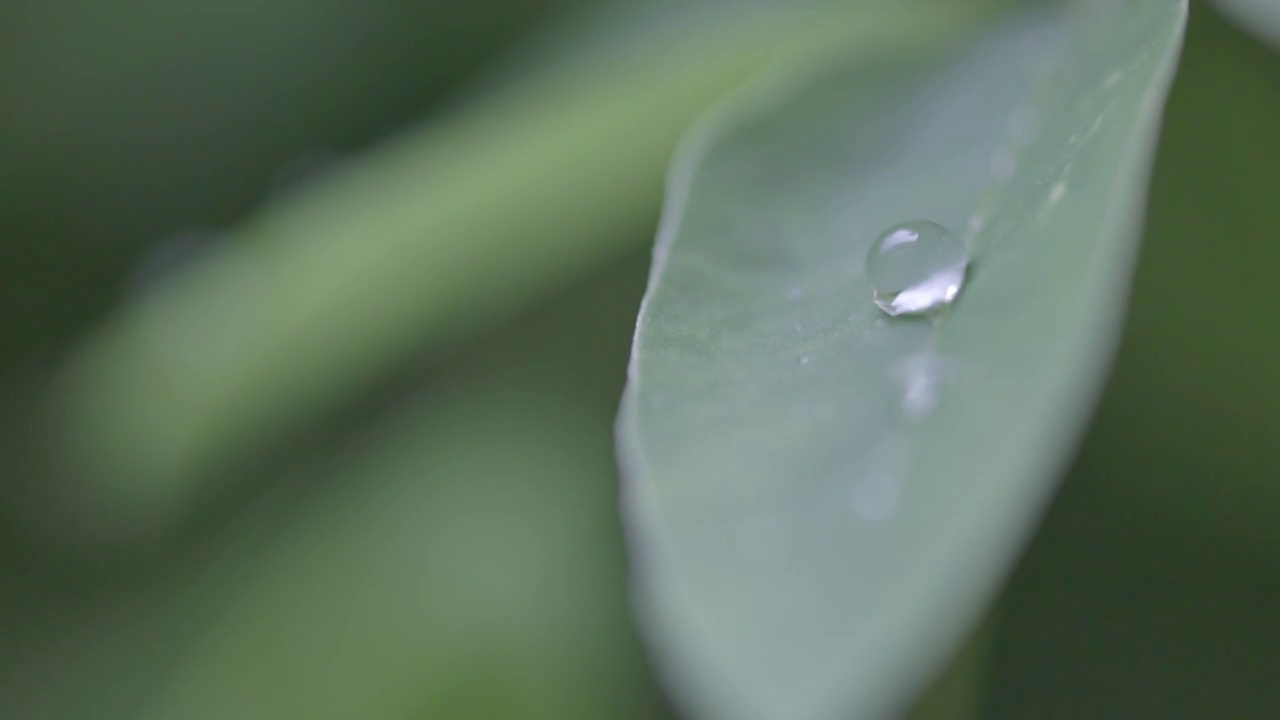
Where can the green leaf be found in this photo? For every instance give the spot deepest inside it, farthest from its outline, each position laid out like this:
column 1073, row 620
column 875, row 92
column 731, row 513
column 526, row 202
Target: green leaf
column 820, row 499
column 460, row 557
column 469, row 543
column 462, row 561
column 1259, row 17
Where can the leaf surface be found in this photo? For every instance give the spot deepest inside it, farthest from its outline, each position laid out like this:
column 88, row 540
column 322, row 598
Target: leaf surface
column 821, row 499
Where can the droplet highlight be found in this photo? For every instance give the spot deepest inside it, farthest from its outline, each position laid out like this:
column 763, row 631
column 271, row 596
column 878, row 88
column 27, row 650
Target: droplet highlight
column 921, row 378
column 1058, row 192
column 916, row 267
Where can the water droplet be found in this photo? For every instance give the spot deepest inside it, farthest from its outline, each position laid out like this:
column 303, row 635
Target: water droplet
column 876, row 496
column 804, row 359
column 1113, row 79
column 1058, row 192
column 916, row 267
column 921, row 377
column 920, row 400
column 795, row 294
column 799, row 328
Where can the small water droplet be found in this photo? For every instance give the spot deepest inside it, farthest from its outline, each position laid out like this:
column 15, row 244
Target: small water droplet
column 919, row 397
column 1113, row 79
column 1058, row 192
column 916, row 267
column 799, row 328
column 795, row 294
column 921, row 376
column 804, row 359
column 876, row 496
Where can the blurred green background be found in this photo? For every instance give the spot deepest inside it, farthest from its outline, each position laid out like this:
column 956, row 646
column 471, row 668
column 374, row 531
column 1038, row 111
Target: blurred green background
column 443, row 541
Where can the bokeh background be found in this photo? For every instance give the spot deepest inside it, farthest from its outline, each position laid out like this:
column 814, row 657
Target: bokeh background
column 443, row 541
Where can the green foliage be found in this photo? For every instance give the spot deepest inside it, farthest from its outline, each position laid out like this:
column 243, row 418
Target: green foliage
column 355, row 458
column 821, row 500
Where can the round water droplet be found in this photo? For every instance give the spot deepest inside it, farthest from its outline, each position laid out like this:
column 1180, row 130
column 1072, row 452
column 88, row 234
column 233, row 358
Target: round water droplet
column 916, row 267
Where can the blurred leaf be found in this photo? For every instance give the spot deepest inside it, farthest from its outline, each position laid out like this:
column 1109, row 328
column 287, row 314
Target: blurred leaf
column 1259, row 17
column 459, row 567
column 422, row 240
column 822, row 500
column 152, row 97
column 461, row 559
column 125, row 123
